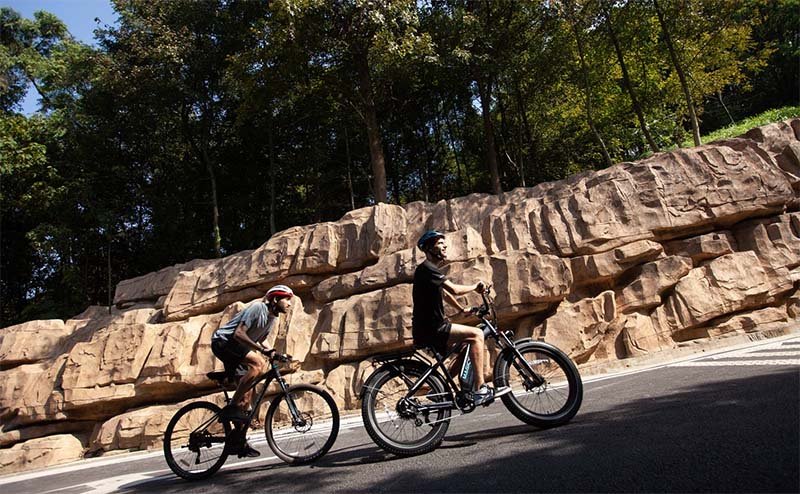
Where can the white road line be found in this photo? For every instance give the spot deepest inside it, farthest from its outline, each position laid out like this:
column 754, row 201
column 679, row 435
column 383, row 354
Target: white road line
column 254, row 438
column 720, row 363
column 112, row 484
column 794, row 353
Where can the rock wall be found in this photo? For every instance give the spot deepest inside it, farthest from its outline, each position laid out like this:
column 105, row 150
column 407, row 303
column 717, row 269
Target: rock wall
column 610, row 264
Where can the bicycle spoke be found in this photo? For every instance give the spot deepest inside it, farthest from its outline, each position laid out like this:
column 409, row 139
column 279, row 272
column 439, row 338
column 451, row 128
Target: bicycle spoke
column 305, row 431
column 548, row 397
column 194, row 443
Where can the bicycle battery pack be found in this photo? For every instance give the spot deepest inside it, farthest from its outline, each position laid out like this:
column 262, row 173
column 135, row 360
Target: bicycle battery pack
column 467, row 375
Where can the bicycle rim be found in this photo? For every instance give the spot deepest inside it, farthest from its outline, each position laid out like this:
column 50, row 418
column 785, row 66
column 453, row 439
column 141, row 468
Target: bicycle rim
column 306, row 433
column 194, row 442
column 545, row 404
column 404, row 433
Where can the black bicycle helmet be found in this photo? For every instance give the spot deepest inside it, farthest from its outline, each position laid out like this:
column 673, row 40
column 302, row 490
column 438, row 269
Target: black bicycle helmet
column 427, row 237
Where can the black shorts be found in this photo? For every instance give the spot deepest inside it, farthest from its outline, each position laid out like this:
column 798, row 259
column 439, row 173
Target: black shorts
column 231, row 354
column 436, row 338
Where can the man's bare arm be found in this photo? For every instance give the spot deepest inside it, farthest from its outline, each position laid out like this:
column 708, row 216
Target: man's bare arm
column 451, row 299
column 241, row 336
column 455, row 289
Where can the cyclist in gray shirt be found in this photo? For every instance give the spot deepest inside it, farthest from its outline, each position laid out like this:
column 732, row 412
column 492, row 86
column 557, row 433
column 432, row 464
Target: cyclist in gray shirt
column 238, row 344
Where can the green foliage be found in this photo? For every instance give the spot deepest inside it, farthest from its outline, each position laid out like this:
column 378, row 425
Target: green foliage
column 764, row 118
column 198, row 129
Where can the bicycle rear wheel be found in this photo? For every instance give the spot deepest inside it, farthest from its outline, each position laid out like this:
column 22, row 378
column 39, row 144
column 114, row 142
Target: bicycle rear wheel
column 194, row 442
column 302, row 424
column 393, row 421
column 550, row 397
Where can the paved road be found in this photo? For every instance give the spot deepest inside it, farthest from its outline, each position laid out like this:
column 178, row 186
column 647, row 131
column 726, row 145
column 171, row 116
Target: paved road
column 727, row 422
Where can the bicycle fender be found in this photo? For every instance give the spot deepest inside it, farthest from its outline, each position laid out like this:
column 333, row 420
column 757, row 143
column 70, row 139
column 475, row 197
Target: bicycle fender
column 525, row 342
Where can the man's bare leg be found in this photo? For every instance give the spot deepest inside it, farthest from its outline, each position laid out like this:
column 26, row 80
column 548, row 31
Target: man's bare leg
column 254, row 363
column 473, row 336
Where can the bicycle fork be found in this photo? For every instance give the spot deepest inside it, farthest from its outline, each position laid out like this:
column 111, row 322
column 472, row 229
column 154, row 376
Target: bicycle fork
column 297, row 417
column 531, row 378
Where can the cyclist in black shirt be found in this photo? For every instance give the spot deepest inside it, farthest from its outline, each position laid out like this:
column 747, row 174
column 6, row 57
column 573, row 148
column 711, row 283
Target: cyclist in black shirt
column 430, row 326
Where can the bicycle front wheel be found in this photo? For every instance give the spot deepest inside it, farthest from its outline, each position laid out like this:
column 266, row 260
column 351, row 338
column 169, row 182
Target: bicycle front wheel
column 548, row 397
column 399, row 423
column 302, row 424
column 194, row 442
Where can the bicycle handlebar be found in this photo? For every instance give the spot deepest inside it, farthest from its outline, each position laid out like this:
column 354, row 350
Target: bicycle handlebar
column 486, row 308
column 281, row 357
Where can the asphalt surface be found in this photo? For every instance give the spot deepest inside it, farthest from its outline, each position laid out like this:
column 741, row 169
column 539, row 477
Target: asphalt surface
column 723, row 423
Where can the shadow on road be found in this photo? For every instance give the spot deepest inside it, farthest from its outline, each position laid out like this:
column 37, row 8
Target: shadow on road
column 734, row 435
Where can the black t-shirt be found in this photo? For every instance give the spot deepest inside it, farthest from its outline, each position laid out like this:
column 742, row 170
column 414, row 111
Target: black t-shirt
column 427, row 296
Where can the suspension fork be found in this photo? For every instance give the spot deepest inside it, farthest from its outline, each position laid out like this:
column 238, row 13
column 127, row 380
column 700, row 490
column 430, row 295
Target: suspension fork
column 297, row 418
column 519, row 362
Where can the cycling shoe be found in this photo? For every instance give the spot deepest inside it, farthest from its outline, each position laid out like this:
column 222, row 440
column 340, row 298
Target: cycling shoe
column 484, row 396
column 248, row 451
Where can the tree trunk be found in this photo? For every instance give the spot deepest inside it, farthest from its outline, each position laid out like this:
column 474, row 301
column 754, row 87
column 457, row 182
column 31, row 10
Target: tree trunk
column 110, row 298
column 349, row 165
column 214, row 202
column 506, row 137
column 201, row 152
column 452, row 139
column 485, row 94
column 530, row 143
column 588, row 87
column 628, row 86
column 681, row 75
column 270, row 144
column 373, row 129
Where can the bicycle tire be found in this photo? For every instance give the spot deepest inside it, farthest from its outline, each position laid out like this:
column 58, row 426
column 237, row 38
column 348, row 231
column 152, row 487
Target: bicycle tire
column 556, row 401
column 196, row 435
column 300, row 443
column 382, row 392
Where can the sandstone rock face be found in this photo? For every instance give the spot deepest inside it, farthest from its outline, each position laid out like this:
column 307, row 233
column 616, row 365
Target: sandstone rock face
column 31, row 341
column 41, row 452
column 139, row 429
column 728, row 284
column 639, row 336
column 616, row 263
column 608, row 265
column 154, row 285
column 655, row 278
column 580, row 328
column 703, row 247
column 28, row 394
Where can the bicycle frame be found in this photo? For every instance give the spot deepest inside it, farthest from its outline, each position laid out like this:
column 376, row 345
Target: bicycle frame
column 266, row 378
column 532, row 379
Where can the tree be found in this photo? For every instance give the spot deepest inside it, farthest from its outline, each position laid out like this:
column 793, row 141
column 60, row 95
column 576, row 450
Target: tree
column 576, row 22
column 627, row 82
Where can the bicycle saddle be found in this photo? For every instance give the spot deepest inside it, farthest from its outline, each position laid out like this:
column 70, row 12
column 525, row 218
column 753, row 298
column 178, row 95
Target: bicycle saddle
column 217, row 376
column 222, row 379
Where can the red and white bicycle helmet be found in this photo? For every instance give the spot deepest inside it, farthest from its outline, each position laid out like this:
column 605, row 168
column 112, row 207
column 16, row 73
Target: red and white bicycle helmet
column 279, row 291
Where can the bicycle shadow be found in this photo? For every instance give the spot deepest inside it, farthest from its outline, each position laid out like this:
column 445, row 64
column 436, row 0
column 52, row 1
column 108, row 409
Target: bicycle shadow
column 369, row 453
column 466, row 439
column 361, row 454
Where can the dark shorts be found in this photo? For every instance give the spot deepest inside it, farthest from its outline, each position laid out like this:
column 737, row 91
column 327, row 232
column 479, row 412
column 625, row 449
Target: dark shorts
column 436, row 338
column 231, row 354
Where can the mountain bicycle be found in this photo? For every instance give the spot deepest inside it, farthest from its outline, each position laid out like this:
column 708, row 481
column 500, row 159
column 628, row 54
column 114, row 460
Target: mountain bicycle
column 408, row 400
column 301, row 425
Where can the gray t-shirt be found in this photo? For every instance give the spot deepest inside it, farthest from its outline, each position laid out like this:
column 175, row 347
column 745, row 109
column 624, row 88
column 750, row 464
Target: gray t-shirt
column 256, row 318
